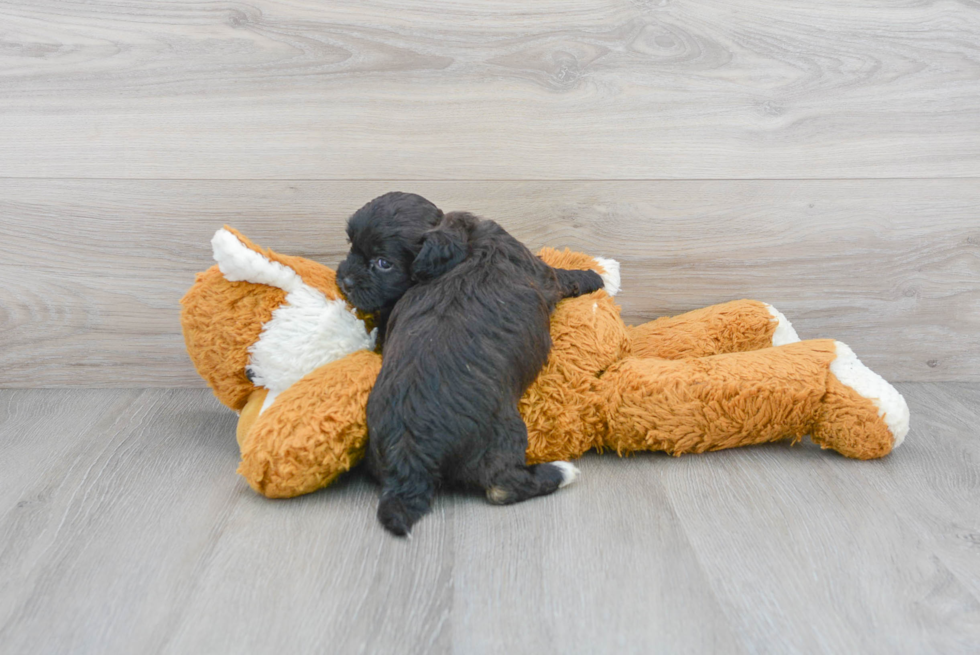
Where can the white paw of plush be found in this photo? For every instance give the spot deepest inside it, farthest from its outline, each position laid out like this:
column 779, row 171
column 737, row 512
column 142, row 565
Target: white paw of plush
column 610, row 278
column 784, row 333
column 891, row 406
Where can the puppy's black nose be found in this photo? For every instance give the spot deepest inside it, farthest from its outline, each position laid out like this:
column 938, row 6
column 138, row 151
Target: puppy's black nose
column 345, row 283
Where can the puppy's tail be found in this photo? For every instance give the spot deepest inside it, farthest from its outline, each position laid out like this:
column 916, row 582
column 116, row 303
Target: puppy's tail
column 398, row 512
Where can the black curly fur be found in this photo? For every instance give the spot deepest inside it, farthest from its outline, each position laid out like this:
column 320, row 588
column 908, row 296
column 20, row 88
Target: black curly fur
column 466, row 311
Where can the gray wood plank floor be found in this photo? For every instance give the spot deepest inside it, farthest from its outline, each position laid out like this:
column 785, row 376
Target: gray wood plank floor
column 124, row 529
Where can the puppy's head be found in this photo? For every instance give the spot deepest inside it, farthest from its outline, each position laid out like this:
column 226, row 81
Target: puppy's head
column 387, row 237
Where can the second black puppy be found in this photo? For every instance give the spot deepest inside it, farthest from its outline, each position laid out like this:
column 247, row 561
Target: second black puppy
column 466, row 309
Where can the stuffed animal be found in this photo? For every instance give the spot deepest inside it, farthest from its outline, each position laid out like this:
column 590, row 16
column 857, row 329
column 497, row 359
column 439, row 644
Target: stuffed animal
column 276, row 341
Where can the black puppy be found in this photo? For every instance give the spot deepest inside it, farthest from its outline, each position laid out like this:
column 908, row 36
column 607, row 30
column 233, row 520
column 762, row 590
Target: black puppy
column 465, row 311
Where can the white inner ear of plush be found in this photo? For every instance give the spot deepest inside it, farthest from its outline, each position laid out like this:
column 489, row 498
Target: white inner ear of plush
column 611, row 277
column 891, row 406
column 307, row 331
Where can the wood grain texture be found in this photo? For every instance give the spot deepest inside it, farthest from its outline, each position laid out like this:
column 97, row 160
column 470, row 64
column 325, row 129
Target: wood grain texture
column 389, row 89
column 120, row 507
column 123, row 528
column 93, row 270
column 948, row 465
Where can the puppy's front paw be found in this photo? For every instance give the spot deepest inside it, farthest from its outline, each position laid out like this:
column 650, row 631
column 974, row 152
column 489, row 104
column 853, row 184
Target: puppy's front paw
column 575, row 283
column 593, row 283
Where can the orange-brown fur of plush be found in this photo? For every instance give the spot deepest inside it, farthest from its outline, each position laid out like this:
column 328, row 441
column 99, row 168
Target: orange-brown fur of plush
column 249, row 414
column 316, row 429
column 587, row 337
column 850, row 424
column 721, row 401
column 220, row 320
column 737, row 326
column 705, row 380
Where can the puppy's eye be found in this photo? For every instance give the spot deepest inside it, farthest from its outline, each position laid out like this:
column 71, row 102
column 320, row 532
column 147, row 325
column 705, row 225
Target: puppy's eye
column 382, row 264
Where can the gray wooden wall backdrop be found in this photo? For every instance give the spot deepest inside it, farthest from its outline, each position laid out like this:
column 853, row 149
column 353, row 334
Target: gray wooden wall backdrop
column 822, row 156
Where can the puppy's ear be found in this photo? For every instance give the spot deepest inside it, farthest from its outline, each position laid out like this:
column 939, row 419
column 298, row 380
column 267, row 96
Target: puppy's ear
column 442, row 249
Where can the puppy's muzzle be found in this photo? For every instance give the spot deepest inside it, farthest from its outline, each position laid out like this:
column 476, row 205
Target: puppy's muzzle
column 344, row 280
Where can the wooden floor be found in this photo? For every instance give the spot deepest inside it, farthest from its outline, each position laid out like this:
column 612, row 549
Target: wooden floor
column 821, row 156
column 124, row 529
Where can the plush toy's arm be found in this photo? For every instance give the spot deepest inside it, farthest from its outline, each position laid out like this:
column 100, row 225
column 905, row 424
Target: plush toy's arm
column 737, row 326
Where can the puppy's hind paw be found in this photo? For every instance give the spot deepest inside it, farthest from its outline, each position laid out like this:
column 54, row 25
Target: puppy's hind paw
column 569, row 473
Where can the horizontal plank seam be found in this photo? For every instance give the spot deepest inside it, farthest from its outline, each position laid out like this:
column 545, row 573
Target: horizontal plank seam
column 489, row 179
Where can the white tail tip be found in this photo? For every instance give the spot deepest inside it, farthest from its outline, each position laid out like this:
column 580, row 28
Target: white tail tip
column 569, row 473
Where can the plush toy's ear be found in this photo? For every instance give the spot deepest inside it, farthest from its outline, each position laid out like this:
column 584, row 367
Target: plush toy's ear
column 443, row 247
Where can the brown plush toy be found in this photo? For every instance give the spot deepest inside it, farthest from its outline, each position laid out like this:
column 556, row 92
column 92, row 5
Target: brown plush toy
column 275, row 340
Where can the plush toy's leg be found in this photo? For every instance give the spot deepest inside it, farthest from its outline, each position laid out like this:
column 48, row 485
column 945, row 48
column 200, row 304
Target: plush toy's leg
column 857, row 403
column 737, row 326
column 810, row 387
column 314, row 431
